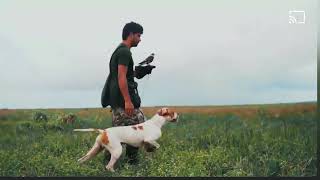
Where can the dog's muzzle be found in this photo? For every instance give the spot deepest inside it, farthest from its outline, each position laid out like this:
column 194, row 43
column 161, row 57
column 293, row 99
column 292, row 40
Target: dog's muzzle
column 175, row 118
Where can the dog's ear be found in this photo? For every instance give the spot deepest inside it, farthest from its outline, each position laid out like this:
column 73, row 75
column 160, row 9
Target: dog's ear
column 163, row 112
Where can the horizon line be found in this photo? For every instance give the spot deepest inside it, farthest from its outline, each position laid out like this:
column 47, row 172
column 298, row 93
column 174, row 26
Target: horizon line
column 249, row 104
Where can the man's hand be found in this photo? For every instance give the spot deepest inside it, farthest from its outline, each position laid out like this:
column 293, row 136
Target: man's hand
column 128, row 108
column 141, row 71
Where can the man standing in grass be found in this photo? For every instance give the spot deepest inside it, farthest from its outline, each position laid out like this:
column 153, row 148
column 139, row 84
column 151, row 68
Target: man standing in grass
column 120, row 90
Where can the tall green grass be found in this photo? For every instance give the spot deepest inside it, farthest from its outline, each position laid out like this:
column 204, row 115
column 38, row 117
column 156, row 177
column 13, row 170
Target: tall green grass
column 197, row 145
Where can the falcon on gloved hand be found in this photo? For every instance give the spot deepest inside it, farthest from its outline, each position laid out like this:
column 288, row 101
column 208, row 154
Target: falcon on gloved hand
column 148, row 60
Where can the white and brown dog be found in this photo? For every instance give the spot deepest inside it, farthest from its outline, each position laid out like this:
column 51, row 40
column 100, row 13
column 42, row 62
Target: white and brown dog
column 141, row 135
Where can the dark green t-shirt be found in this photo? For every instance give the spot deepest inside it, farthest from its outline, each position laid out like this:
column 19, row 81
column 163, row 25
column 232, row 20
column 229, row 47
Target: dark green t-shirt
column 121, row 55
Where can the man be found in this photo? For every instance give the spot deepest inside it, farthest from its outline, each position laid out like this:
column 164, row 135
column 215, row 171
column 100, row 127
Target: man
column 120, row 90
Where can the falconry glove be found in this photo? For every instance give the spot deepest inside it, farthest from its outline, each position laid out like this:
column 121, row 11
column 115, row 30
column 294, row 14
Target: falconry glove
column 141, row 71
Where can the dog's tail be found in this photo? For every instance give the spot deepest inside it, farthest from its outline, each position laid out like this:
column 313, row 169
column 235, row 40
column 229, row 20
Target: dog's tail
column 90, row 130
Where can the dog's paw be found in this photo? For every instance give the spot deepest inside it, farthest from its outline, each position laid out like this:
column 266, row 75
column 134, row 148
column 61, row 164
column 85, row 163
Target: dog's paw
column 80, row 161
column 110, row 169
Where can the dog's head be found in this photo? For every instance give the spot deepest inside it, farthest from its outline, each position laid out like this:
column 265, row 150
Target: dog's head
column 168, row 114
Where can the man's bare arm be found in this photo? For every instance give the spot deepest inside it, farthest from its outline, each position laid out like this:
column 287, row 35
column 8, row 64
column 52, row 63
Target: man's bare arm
column 123, row 85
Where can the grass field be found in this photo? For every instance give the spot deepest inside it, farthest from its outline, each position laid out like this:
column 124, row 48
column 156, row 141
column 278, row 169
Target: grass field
column 247, row 140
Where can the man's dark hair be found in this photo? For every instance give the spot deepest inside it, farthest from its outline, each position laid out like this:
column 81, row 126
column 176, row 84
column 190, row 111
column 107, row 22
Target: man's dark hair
column 131, row 27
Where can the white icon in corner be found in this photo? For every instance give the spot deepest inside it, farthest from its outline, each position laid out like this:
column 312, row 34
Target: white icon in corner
column 297, row 17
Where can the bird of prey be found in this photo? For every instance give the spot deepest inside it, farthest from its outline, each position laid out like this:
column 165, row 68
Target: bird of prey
column 148, row 60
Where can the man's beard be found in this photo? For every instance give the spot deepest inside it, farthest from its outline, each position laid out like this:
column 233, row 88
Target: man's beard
column 134, row 44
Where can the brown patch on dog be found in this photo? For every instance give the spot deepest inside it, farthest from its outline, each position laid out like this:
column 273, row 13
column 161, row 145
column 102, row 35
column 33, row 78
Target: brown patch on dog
column 140, row 127
column 133, row 127
column 166, row 112
column 104, row 138
column 163, row 111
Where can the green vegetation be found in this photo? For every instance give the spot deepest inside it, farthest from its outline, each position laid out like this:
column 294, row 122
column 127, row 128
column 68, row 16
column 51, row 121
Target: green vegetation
column 198, row 145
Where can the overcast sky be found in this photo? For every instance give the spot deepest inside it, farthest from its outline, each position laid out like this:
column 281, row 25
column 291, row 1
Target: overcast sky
column 55, row 53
